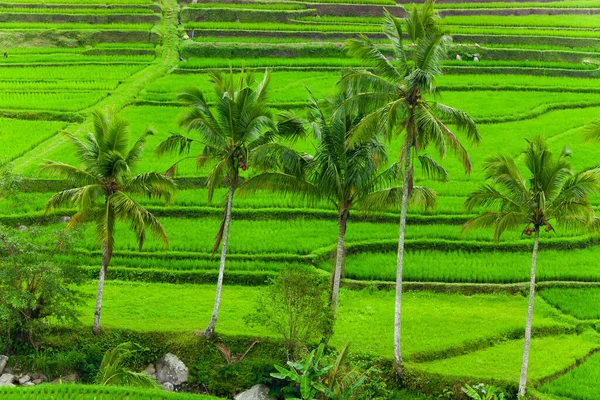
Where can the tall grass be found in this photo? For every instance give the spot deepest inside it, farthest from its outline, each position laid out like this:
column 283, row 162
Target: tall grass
column 19, row 136
column 484, row 267
column 549, row 355
column 579, row 383
column 74, row 11
column 51, row 26
column 581, row 303
column 55, row 101
column 92, row 392
column 75, row 72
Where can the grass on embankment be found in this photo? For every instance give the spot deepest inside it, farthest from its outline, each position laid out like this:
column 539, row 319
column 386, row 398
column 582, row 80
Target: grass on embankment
column 581, row 383
column 431, row 322
column 485, row 267
column 93, row 392
column 502, row 362
column 581, row 303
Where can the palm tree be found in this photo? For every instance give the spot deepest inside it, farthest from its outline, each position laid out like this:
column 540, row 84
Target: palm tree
column 241, row 123
column 105, row 188
column 552, row 193
column 345, row 177
column 397, row 94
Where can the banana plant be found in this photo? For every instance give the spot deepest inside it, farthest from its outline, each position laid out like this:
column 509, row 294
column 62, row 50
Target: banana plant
column 483, row 392
column 317, row 381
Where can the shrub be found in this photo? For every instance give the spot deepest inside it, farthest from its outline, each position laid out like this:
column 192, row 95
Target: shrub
column 32, row 287
column 295, row 306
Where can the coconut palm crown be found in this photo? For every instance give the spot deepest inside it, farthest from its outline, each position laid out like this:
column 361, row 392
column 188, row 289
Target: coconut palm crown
column 551, row 195
column 105, row 188
column 346, row 177
column 395, row 95
column 228, row 135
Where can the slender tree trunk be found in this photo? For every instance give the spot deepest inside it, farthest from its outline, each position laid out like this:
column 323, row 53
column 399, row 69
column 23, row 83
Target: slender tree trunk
column 398, row 310
column 523, row 380
column 106, row 256
column 208, row 332
column 339, row 261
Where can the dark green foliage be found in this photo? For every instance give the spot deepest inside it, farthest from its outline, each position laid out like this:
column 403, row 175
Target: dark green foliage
column 33, row 288
column 295, row 306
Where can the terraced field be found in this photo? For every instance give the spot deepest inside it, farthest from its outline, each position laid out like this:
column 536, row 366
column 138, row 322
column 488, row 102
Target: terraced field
column 520, row 69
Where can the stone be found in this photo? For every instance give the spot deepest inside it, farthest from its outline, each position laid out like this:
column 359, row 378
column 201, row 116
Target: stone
column 256, row 392
column 70, row 378
column 28, row 384
column 150, row 370
column 64, row 220
column 36, row 381
column 21, row 228
column 7, row 380
column 171, row 369
column 3, row 362
column 186, row 37
column 458, row 57
column 475, row 58
column 24, row 379
column 168, row 386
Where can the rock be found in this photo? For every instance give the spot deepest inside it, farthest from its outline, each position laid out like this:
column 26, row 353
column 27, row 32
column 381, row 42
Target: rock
column 150, row 370
column 171, row 369
column 24, row 379
column 64, row 220
column 28, row 384
column 477, row 45
column 3, row 362
column 475, row 58
column 7, row 380
column 36, row 381
column 186, row 37
column 70, row 378
column 458, row 57
column 168, row 386
column 256, row 392
column 21, row 228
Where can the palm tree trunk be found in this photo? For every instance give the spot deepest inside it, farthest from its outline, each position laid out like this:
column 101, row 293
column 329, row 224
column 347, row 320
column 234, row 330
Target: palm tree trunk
column 398, row 310
column 339, row 261
column 208, row 332
column 523, row 380
column 106, row 256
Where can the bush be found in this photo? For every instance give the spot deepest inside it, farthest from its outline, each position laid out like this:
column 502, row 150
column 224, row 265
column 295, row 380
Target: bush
column 32, row 287
column 296, row 307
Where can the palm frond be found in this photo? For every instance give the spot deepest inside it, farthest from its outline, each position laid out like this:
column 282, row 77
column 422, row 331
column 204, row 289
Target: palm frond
column 152, row 185
column 75, row 176
column 432, row 169
column 135, row 153
column 175, row 143
column 365, row 50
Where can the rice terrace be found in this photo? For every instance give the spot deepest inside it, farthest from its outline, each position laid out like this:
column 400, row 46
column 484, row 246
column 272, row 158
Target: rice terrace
column 300, row 199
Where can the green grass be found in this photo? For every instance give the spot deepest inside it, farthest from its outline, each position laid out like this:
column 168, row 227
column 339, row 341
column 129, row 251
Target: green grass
column 572, row 21
column 55, row 101
column 75, row 72
column 21, row 136
column 244, row 6
column 502, row 362
column 74, row 11
column 72, row 26
column 490, row 267
column 581, row 303
column 579, row 383
column 431, row 322
column 93, row 392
